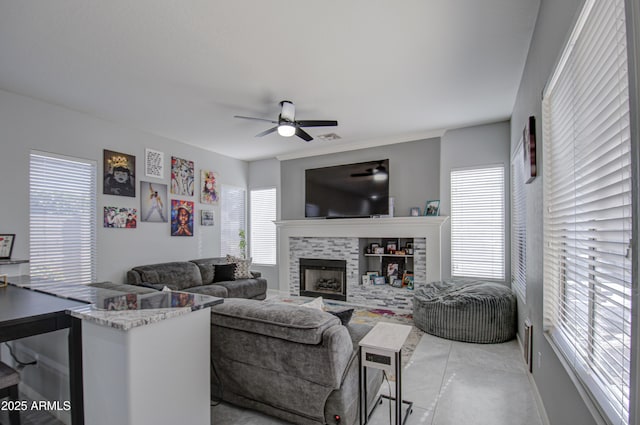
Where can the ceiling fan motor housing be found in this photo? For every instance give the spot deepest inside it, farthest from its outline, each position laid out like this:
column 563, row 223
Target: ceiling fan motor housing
column 288, row 112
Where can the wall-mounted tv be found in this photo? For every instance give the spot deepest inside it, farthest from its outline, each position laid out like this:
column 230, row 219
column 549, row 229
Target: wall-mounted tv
column 345, row 191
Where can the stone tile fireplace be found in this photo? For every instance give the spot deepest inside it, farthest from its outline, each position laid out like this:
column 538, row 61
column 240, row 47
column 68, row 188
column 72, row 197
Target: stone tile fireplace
column 341, row 239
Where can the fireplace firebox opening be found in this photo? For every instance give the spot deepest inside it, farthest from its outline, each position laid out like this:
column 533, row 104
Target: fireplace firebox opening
column 323, row 278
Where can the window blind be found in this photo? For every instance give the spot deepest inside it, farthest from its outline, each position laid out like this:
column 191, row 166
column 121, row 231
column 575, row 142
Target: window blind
column 477, row 222
column 587, row 208
column 62, row 218
column 263, row 229
column 518, row 224
column 233, row 219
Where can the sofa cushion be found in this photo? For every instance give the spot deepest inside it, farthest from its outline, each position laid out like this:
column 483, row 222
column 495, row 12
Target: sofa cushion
column 279, row 320
column 224, row 272
column 245, row 288
column 242, row 266
column 176, row 275
column 207, row 267
column 213, row 290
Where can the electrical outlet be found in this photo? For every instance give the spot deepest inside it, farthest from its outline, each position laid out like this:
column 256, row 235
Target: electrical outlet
column 539, row 359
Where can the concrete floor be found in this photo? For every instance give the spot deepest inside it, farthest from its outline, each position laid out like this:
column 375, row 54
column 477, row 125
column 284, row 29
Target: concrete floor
column 450, row 383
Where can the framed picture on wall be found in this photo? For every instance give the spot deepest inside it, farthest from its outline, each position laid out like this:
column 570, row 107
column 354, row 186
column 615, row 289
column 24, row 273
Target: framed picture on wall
column 153, row 163
column 529, row 148
column 6, row 246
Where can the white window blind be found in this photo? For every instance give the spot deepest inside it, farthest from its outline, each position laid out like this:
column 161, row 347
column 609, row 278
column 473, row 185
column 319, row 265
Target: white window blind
column 62, row 218
column 233, row 219
column 263, row 229
column 477, row 223
column 587, row 208
column 518, row 225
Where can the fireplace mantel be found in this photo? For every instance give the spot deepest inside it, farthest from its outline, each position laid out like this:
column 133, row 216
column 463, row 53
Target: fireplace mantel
column 389, row 227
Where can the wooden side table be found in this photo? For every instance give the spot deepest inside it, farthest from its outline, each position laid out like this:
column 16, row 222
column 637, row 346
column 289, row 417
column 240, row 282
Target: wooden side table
column 381, row 349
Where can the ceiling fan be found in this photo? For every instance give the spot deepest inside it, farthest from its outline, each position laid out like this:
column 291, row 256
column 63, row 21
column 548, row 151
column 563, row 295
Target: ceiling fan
column 287, row 125
column 379, row 172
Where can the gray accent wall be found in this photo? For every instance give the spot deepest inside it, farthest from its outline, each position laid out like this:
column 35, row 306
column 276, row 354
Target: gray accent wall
column 414, row 174
column 562, row 400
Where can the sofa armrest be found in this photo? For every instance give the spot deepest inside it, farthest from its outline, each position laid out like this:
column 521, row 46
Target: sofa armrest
column 133, row 278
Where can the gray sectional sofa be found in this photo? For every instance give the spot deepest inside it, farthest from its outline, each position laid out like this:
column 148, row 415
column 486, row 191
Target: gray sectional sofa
column 295, row 363
column 197, row 276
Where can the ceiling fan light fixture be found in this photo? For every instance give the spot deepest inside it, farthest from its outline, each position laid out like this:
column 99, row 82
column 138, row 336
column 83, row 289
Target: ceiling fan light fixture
column 286, row 130
column 380, row 177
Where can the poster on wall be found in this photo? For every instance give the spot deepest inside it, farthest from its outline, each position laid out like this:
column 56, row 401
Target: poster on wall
column 120, row 217
column 153, row 163
column 153, row 202
column 529, row 148
column 181, row 218
column 119, row 174
column 182, row 176
column 209, row 187
column 206, row 218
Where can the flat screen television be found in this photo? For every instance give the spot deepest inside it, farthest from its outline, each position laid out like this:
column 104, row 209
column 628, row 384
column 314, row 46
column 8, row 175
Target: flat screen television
column 346, row 191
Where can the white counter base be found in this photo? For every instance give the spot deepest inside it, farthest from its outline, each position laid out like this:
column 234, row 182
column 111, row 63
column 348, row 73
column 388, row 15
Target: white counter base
column 157, row 374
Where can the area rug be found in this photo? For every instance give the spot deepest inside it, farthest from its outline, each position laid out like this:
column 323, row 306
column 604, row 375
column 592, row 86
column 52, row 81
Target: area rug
column 371, row 316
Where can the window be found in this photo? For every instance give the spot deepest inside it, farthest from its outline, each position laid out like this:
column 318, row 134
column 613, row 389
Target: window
column 477, row 223
column 587, row 208
column 518, row 225
column 263, row 229
column 232, row 221
column 62, row 218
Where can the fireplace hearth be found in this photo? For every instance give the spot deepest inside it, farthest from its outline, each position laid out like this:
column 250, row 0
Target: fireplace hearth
column 323, row 278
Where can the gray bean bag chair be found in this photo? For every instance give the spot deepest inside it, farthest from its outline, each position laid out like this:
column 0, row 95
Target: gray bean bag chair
column 469, row 311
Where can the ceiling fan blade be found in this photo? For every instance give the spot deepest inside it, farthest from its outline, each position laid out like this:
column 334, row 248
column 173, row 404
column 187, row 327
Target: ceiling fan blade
column 317, row 123
column 264, row 133
column 303, row 134
column 361, row 174
column 255, row 119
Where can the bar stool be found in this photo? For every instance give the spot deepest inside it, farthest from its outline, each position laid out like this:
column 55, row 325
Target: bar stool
column 9, row 379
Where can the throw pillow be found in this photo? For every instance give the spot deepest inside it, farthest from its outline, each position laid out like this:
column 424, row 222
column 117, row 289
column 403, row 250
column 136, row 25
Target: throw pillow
column 316, row 303
column 224, row 272
column 344, row 315
column 242, row 266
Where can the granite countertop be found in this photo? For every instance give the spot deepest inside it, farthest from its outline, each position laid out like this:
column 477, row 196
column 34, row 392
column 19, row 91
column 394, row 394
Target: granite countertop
column 137, row 310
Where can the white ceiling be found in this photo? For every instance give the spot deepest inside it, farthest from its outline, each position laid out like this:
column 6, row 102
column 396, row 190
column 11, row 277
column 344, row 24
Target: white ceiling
column 388, row 71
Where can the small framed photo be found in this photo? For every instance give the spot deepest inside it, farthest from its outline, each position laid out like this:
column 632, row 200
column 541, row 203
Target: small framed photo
column 379, row 280
column 6, row 245
column 414, row 211
column 379, row 250
column 153, row 163
column 366, row 279
column 391, row 245
column 432, row 207
column 407, row 280
column 395, row 282
column 206, row 218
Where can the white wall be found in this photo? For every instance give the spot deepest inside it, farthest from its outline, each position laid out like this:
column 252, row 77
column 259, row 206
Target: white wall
column 266, row 174
column 472, row 147
column 27, row 124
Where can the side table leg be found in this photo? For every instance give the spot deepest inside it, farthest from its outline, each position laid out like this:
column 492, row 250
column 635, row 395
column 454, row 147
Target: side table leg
column 398, row 388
